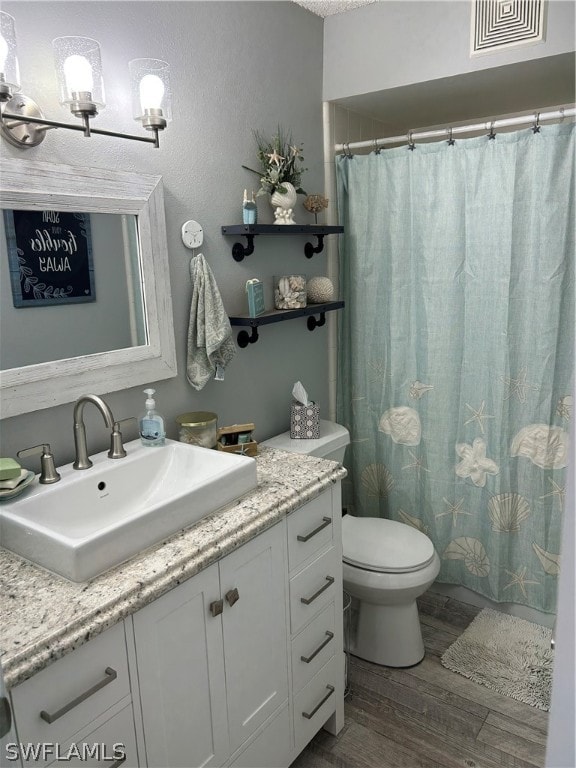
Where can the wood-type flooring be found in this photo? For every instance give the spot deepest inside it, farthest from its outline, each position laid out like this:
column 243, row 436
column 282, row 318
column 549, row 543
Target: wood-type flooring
column 428, row 716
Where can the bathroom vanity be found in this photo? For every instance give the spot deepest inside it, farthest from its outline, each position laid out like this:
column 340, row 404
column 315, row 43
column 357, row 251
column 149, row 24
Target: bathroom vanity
column 221, row 646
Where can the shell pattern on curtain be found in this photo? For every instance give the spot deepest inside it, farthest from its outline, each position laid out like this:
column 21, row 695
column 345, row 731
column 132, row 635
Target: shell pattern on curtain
column 456, row 350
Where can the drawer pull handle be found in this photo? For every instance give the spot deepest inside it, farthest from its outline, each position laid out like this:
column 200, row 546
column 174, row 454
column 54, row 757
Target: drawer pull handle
column 325, row 521
column 309, row 715
column 308, row 600
column 111, row 675
column 216, row 607
column 307, row 660
column 232, row 596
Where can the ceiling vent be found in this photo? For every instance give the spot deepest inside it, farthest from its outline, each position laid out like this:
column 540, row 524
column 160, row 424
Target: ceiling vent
column 498, row 24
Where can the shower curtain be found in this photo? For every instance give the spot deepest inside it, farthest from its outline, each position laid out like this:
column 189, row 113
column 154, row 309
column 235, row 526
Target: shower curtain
column 456, row 350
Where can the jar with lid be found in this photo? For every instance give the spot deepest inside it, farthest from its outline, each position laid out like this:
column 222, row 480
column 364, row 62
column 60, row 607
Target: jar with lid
column 198, row 428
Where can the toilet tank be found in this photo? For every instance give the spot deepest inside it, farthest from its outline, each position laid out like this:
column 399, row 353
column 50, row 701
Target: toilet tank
column 330, row 445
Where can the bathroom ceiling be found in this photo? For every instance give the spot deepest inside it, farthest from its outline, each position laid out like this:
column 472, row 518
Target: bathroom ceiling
column 328, row 7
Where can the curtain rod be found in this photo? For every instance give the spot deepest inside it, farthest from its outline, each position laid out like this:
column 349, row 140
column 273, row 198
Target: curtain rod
column 537, row 117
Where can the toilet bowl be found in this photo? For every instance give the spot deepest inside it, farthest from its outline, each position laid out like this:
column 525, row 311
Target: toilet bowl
column 387, row 565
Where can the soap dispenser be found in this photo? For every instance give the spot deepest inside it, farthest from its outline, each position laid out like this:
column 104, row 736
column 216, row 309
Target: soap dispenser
column 151, row 424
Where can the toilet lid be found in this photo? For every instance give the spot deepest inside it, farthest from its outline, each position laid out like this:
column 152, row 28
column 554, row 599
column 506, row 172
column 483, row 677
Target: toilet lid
column 376, row 544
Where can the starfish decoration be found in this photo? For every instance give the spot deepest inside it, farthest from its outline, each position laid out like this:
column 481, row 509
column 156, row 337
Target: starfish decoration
column 475, row 464
column 275, row 158
column 557, row 490
column 519, row 578
column 518, row 387
column 417, row 464
column 295, row 151
column 454, row 510
column 478, row 415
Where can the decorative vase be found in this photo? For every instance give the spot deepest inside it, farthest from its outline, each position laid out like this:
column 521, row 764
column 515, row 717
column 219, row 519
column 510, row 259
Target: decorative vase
column 283, row 204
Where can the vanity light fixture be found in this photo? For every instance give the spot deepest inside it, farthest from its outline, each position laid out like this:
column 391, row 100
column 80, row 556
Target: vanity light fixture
column 81, row 86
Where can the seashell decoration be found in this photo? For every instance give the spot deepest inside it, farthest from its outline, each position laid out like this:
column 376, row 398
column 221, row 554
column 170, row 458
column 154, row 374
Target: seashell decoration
column 283, row 203
column 377, row 480
column 415, row 522
column 507, row 510
column 402, row 424
column 545, row 446
column 290, row 292
column 418, row 389
column 550, row 562
column 472, row 552
column 319, row 290
column 564, row 407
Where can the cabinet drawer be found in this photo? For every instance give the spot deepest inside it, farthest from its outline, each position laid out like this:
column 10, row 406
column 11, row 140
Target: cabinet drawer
column 315, row 703
column 313, row 647
column 111, row 745
column 313, row 588
column 309, row 529
column 73, row 691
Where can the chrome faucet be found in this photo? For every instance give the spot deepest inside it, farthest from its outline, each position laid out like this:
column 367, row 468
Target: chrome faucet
column 82, row 460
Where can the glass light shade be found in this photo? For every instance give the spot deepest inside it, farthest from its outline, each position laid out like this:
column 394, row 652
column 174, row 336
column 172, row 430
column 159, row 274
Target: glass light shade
column 9, row 70
column 150, row 86
column 79, row 69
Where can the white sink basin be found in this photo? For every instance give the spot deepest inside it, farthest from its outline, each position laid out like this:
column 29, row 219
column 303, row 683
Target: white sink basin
column 96, row 518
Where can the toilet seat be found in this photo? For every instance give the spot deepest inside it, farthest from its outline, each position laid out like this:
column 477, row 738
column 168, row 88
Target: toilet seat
column 384, row 546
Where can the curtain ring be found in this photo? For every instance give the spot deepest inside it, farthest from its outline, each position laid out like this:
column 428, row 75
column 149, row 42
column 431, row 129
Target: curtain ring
column 347, row 151
column 492, row 135
column 536, row 126
column 377, row 149
column 411, row 145
column 562, row 115
column 451, row 141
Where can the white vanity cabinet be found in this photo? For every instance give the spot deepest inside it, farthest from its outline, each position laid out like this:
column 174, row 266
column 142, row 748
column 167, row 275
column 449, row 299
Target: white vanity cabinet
column 237, row 666
column 212, row 656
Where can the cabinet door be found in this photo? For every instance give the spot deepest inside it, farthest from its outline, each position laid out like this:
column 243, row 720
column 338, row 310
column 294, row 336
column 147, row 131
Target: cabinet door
column 255, row 638
column 181, row 676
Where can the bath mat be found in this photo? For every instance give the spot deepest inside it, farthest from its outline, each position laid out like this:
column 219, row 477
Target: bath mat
column 509, row 655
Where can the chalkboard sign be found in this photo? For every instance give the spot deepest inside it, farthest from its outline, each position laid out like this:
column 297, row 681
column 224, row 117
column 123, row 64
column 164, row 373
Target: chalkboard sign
column 50, row 256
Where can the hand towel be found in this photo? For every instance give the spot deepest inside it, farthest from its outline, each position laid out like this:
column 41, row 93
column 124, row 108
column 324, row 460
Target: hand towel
column 210, row 342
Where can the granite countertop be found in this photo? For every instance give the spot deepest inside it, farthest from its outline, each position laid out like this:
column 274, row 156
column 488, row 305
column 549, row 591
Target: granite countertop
column 44, row 616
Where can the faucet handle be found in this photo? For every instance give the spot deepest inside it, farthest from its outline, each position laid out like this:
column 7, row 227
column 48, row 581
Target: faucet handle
column 117, row 450
column 48, row 473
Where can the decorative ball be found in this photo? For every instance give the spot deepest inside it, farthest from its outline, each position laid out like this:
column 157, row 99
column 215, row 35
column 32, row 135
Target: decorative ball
column 319, row 290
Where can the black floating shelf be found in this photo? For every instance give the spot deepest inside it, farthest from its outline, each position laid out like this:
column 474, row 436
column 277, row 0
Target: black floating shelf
column 277, row 315
column 249, row 231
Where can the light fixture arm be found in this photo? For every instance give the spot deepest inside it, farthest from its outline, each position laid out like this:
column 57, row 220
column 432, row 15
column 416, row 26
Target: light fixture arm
column 24, row 125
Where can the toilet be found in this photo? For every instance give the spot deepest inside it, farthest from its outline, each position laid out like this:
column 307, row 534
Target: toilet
column 387, row 565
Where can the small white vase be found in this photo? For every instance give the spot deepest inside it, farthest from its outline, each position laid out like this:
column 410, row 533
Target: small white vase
column 283, row 204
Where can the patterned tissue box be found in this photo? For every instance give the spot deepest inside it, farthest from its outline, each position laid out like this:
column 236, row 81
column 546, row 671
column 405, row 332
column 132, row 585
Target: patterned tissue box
column 305, row 421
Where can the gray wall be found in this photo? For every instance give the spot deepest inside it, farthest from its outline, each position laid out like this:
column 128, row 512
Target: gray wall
column 397, row 43
column 236, row 66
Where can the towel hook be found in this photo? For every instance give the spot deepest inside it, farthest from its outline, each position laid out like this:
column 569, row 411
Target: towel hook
column 536, row 126
column 411, row 145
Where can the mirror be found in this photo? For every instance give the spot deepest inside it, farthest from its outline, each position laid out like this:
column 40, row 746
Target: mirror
column 107, row 330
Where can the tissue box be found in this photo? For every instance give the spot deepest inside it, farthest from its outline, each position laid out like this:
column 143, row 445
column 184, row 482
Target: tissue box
column 305, row 421
column 255, row 291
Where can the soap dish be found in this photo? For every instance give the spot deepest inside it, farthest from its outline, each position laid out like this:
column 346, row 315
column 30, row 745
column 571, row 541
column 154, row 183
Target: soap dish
column 12, row 492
